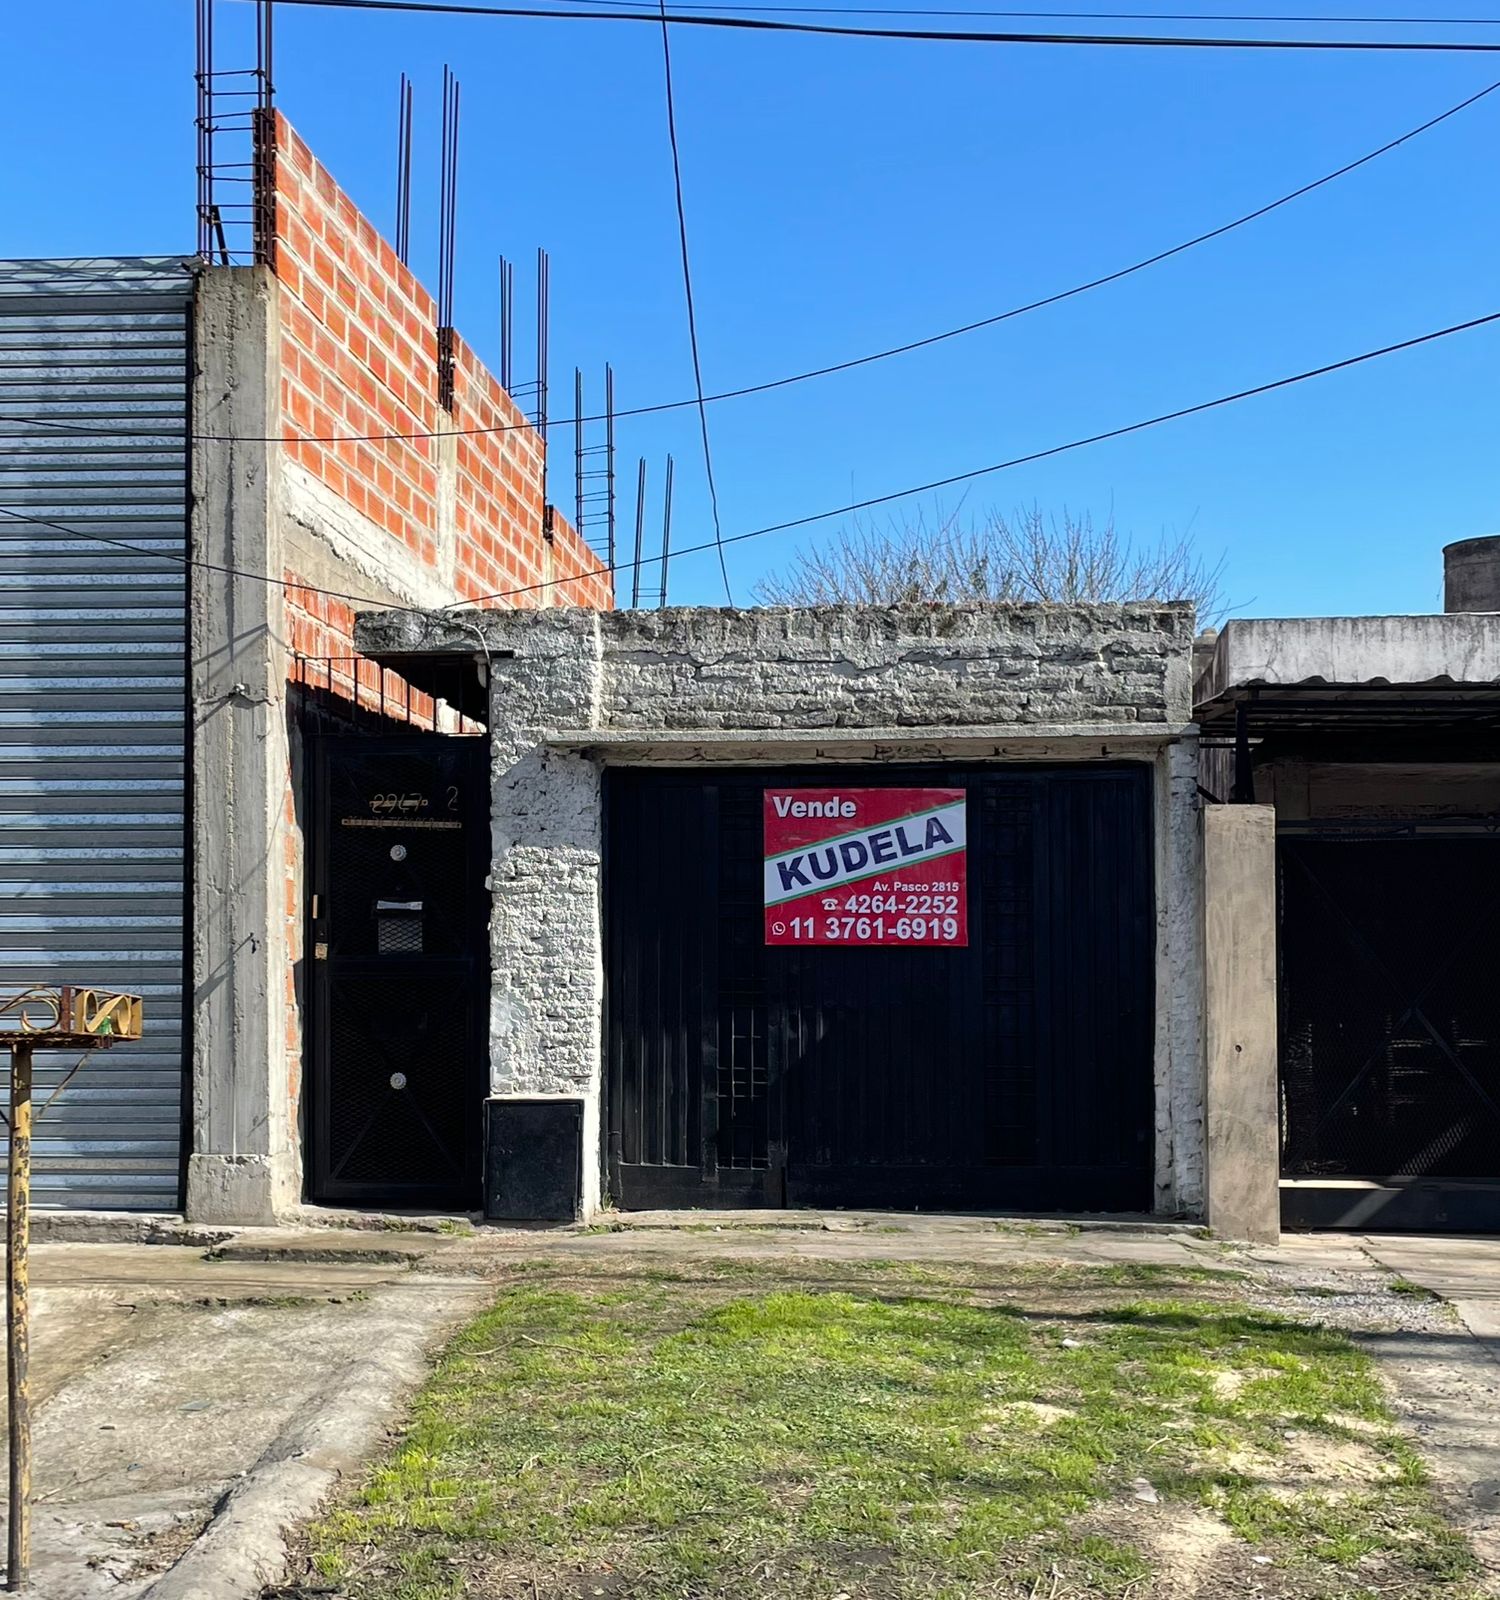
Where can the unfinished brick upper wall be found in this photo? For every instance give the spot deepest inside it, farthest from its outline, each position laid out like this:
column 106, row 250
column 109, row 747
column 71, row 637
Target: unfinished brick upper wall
column 359, row 356
column 464, row 515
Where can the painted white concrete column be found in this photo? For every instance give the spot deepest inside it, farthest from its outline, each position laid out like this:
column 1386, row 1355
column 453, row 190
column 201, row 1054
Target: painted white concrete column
column 1240, row 1083
column 546, row 933
column 242, row 1167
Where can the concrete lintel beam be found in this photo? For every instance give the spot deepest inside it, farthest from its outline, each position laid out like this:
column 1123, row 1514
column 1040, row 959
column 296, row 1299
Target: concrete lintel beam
column 1081, row 741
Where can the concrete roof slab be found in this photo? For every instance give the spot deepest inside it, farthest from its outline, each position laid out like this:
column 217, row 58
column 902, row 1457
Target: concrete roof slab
column 1458, row 648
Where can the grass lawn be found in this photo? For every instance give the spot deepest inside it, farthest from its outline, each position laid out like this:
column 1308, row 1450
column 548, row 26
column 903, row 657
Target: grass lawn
column 891, row 1431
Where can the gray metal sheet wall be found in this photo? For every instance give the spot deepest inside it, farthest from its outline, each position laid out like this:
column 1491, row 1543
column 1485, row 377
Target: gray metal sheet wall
column 93, row 694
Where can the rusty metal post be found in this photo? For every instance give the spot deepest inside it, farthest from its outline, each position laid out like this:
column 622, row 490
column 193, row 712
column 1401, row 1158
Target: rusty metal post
column 38, row 1015
column 17, row 1315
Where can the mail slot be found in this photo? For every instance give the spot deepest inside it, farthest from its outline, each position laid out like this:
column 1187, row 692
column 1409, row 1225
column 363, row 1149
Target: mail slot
column 398, row 927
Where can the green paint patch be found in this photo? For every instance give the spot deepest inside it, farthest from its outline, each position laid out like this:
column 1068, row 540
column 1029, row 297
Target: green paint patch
column 890, row 1431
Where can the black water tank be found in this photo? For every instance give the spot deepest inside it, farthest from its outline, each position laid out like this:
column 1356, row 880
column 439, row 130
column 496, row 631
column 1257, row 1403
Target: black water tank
column 1471, row 575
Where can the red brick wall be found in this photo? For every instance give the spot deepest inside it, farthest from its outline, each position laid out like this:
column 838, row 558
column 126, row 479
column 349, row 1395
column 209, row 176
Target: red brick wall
column 359, row 356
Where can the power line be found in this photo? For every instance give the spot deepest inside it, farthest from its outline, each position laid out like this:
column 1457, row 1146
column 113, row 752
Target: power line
column 834, row 367
column 692, row 315
column 922, row 35
column 1042, row 455
column 817, row 516
column 1076, row 16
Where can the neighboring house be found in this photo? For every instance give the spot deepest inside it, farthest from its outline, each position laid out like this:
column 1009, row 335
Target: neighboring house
column 1375, row 741
column 169, row 734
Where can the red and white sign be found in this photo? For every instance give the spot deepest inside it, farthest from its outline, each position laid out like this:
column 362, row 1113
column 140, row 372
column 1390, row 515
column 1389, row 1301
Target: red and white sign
column 866, row 866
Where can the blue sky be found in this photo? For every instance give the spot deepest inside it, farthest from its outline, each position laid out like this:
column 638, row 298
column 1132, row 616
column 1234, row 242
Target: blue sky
column 848, row 195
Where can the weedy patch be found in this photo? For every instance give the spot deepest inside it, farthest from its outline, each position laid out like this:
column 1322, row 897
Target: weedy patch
column 1413, row 1291
column 891, row 1431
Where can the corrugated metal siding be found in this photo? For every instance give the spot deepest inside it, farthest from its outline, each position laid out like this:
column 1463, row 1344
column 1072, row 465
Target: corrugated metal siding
column 93, row 693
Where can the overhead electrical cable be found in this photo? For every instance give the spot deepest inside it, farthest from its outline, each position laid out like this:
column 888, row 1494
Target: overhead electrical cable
column 1054, row 450
column 916, row 35
column 692, row 315
column 1073, row 16
column 835, row 367
column 811, row 517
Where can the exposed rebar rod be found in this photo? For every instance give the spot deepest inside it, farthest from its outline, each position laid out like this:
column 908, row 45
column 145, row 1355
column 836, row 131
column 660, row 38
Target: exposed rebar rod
column 578, row 450
column 403, row 169
column 447, row 240
column 203, row 39
column 264, row 18
column 543, row 298
column 507, row 323
column 640, row 530
column 609, row 463
column 666, row 533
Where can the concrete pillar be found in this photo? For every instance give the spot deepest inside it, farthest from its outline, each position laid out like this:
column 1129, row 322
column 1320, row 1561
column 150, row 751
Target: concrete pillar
column 1179, row 981
column 1471, row 575
column 546, row 934
column 242, row 1165
column 1241, row 1101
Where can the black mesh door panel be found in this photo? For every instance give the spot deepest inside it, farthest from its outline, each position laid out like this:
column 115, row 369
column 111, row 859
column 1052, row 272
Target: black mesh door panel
column 399, row 970
column 399, row 1111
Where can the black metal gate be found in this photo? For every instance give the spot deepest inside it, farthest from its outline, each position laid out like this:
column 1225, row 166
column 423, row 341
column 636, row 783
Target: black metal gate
column 399, row 984
column 1390, row 1015
column 1015, row 1072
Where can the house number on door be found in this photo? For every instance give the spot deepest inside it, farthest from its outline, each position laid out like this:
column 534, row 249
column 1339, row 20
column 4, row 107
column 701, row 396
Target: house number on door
column 385, row 805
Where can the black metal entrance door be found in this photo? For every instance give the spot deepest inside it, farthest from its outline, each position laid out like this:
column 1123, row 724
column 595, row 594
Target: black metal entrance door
column 1390, row 1009
column 400, row 969
column 1015, row 1072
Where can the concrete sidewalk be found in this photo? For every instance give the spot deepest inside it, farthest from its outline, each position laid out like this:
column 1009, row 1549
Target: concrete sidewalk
column 168, row 1378
column 1465, row 1272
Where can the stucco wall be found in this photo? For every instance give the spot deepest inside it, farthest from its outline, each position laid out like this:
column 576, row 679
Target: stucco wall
column 572, row 691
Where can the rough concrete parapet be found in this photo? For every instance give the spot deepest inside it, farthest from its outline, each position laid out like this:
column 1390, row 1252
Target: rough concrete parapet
column 844, row 666
column 1239, row 959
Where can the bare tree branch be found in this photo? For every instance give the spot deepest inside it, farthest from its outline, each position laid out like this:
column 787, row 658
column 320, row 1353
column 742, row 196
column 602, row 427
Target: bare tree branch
column 1028, row 556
